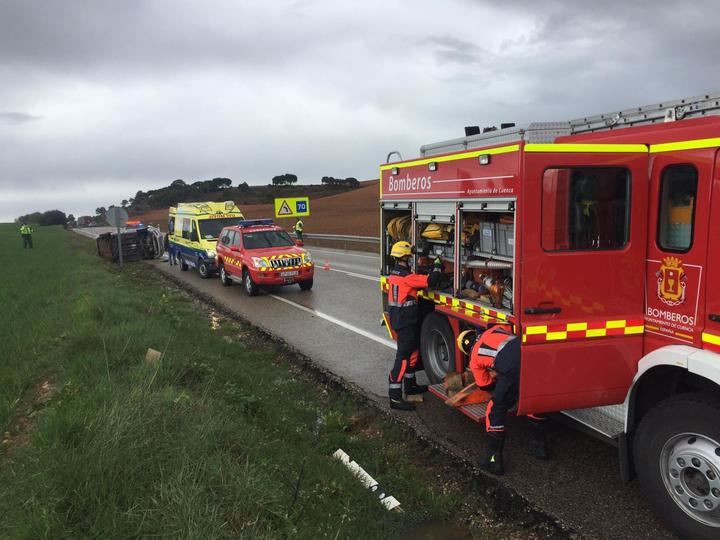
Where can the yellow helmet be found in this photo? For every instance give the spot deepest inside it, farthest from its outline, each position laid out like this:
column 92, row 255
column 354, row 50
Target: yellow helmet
column 466, row 340
column 401, row 249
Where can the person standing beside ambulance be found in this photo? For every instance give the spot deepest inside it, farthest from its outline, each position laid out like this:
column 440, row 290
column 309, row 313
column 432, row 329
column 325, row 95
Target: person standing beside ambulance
column 403, row 311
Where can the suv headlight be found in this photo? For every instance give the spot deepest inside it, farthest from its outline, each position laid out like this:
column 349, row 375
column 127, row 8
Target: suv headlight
column 258, row 262
column 308, row 257
column 211, row 253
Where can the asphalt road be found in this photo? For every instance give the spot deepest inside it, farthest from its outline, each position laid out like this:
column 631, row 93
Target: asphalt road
column 337, row 324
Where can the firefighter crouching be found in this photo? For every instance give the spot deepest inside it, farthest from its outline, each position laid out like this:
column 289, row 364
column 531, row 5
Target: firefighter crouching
column 495, row 365
column 403, row 311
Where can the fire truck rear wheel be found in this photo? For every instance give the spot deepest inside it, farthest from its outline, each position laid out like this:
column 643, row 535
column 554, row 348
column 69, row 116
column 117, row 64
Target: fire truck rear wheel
column 251, row 289
column 677, row 458
column 437, row 347
column 224, row 279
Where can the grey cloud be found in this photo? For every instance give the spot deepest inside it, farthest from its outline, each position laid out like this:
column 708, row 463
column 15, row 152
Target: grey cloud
column 134, row 94
column 15, row 118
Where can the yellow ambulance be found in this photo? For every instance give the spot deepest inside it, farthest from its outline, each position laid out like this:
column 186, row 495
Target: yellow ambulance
column 193, row 230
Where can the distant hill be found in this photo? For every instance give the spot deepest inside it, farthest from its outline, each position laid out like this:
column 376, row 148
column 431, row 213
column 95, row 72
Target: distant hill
column 220, row 189
column 355, row 212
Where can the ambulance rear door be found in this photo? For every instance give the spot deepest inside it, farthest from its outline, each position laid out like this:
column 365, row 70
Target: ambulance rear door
column 584, row 228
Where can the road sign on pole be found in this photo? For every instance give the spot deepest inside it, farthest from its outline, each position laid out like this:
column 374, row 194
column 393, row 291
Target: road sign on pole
column 287, row 207
column 117, row 217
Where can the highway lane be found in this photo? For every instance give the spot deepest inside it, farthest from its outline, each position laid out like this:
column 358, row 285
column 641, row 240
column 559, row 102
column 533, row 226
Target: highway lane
column 337, row 325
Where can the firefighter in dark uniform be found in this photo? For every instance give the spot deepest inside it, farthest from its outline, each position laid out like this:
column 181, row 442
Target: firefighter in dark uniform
column 495, row 364
column 403, row 311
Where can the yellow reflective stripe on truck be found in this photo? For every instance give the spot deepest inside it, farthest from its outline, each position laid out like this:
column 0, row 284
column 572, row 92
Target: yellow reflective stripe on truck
column 710, row 338
column 588, row 148
column 452, row 157
column 684, row 145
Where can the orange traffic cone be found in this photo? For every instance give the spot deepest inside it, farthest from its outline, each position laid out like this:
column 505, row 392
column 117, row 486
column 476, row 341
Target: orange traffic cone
column 326, row 266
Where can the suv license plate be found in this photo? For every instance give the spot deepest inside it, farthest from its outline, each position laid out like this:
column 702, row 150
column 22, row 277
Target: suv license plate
column 289, row 274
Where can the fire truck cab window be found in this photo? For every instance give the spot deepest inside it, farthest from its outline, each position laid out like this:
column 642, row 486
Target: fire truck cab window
column 677, row 208
column 585, row 208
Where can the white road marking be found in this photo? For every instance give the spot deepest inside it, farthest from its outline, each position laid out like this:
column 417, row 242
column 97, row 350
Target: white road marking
column 352, row 274
column 338, row 322
column 312, row 249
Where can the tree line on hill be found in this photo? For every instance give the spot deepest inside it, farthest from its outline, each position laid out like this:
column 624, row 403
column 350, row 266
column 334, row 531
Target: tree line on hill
column 50, row 217
column 219, row 189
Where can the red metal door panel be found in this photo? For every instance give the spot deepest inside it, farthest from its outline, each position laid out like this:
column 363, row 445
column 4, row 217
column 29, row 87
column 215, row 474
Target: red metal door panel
column 582, row 289
column 677, row 271
column 711, row 333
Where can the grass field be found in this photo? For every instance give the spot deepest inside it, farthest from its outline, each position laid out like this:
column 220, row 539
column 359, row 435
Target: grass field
column 223, row 437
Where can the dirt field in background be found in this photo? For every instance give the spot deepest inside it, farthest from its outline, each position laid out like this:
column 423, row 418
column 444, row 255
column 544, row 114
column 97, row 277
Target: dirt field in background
column 356, row 212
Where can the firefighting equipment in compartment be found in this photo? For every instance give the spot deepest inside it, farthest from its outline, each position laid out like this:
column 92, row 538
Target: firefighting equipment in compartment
column 498, row 290
column 466, row 340
column 437, row 231
column 471, row 229
column 398, row 228
column 401, row 249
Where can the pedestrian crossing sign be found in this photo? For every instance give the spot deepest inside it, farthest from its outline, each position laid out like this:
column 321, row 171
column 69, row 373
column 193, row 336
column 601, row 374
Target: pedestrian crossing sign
column 292, row 207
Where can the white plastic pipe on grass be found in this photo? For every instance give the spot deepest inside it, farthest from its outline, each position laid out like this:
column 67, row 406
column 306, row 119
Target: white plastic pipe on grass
column 388, row 501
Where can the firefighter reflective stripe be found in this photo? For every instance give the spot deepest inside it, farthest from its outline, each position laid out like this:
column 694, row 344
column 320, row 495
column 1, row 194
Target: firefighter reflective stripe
column 487, row 352
column 395, row 385
column 582, row 330
column 684, row 145
column 588, row 148
column 408, row 303
column 710, row 338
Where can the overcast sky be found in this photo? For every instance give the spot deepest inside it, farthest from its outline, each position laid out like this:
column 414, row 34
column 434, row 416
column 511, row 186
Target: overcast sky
column 100, row 99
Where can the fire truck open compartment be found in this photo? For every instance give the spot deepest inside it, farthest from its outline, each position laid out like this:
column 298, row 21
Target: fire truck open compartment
column 434, row 224
column 396, row 218
column 487, row 253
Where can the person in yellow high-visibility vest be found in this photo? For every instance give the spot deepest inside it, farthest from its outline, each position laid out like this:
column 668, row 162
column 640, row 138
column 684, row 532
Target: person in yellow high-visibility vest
column 26, row 233
column 298, row 228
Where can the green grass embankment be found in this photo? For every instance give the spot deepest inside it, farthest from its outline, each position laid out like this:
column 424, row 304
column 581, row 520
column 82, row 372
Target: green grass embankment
column 221, row 438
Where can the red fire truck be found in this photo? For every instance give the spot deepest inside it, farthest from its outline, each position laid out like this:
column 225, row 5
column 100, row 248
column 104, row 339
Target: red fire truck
column 598, row 239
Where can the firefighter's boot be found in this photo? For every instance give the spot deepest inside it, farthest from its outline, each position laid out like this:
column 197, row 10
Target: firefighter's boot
column 538, row 438
column 493, row 460
column 396, row 399
column 411, row 387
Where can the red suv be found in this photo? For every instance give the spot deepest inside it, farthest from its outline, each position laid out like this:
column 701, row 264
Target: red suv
column 258, row 252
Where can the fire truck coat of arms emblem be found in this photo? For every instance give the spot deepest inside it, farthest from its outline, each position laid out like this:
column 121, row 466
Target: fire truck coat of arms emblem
column 671, row 280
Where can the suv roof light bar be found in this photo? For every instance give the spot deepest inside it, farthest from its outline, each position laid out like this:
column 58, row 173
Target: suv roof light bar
column 255, row 222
